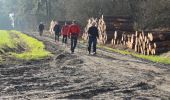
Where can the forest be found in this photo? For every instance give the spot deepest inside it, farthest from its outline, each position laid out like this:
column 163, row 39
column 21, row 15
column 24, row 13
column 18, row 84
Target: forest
column 147, row 14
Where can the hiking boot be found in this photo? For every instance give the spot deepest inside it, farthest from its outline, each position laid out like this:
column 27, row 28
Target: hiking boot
column 72, row 52
column 94, row 53
column 89, row 52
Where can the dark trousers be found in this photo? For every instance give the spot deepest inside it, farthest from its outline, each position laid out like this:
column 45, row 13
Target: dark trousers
column 40, row 32
column 64, row 39
column 73, row 42
column 57, row 36
column 92, row 40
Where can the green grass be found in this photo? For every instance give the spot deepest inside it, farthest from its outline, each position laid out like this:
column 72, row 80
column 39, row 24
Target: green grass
column 34, row 49
column 153, row 58
column 5, row 40
column 157, row 59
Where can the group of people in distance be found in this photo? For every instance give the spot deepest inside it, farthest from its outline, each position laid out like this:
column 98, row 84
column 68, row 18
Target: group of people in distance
column 73, row 32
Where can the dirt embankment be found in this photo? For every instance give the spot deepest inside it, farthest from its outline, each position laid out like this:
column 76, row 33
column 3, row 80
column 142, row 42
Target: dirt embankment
column 82, row 76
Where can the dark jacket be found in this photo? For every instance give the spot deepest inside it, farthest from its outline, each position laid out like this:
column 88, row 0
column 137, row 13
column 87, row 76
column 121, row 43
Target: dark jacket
column 41, row 27
column 57, row 28
column 93, row 32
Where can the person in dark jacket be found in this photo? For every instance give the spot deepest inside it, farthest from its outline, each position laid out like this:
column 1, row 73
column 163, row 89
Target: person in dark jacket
column 74, row 32
column 57, row 31
column 41, row 28
column 93, row 34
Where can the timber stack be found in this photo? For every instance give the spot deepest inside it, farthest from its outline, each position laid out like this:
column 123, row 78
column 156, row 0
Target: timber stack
column 107, row 26
column 118, row 30
column 147, row 43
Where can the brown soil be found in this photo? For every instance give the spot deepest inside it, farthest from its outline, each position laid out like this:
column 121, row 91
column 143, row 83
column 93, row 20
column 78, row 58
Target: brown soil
column 81, row 76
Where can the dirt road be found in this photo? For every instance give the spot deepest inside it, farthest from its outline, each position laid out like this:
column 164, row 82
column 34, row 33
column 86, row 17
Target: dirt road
column 82, row 76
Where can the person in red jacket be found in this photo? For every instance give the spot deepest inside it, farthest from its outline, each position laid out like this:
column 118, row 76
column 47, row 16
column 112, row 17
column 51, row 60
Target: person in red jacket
column 74, row 32
column 64, row 32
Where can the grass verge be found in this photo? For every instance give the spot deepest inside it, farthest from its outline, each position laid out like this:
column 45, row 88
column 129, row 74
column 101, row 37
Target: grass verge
column 5, row 40
column 153, row 58
column 31, row 48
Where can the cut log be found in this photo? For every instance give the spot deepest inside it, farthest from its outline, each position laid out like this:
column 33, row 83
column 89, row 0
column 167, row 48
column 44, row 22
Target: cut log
column 158, row 36
column 159, row 50
column 162, row 44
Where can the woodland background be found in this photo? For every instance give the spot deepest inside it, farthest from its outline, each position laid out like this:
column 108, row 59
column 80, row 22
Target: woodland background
column 147, row 14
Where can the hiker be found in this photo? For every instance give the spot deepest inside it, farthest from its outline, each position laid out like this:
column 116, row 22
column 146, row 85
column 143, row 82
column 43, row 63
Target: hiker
column 93, row 34
column 41, row 28
column 57, row 30
column 64, row 32
column 74, row 32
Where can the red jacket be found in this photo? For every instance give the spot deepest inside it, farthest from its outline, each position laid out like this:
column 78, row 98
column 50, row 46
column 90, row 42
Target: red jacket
column 65, row 30
column 74, row 29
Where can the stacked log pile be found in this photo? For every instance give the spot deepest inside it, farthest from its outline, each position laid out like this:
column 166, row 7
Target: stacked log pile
column 107, row 26
column 119, row 31
column 102, row 31
column 52, row 24
column 147, row 43
column 121, row 23
column 159, row 42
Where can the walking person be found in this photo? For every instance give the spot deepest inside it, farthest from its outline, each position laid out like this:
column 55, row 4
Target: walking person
column 57, row 31
column 74, row 32
column 41, row 28
column 64, row 32
column 93, row 34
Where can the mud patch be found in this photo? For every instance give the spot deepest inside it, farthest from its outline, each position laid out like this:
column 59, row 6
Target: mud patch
column 68, row 70
column 17, row 71
column 91, row 93
column 75, row 62
column 149, row 98
column 143, row 86
column 60, row 57
column 14, row 72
